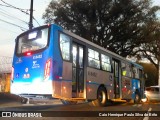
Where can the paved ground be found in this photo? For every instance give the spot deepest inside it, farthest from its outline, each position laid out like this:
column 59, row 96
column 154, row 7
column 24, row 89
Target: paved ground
column 7, row 99
column 11, row 100
column 12, row 103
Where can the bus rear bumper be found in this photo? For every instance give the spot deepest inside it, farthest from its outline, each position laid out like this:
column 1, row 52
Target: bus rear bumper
column 32, row 88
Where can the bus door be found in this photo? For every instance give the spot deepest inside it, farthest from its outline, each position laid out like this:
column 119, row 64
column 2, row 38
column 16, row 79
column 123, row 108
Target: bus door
column 78, row 70
column 116, row 65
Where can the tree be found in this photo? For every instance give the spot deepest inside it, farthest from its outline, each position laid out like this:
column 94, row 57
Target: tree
column 116, row 25
column 151, row 48
column 152, row 73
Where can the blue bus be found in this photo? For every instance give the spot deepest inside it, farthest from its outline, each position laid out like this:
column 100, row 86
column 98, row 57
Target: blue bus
column 49, row 60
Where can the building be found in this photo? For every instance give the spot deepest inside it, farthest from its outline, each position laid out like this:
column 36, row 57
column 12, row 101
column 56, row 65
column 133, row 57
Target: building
column 5, row 73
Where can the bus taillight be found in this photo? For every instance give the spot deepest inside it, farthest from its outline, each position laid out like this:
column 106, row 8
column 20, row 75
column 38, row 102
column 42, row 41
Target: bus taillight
column 47, row 68
column 28, row 53
column 12, row 73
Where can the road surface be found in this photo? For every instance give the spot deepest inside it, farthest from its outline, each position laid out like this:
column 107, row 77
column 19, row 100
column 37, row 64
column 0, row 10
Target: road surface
column 54, row 109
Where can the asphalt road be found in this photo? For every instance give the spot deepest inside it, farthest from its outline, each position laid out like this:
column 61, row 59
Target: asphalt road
column 84, row 111
column 54, row 109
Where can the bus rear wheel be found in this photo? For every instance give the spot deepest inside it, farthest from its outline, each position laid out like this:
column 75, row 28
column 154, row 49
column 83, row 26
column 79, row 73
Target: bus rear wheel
column 101, row 97
column 24, row 100
column 68, row 102
column 137, row 98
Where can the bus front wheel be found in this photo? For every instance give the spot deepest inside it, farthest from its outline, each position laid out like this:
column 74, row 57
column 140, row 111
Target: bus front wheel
column 101, row 97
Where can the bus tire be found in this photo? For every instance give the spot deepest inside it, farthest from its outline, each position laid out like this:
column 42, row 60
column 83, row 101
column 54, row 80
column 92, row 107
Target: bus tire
column 24, row 100
column 137, row 98
column 101, row 97
column 68, row 102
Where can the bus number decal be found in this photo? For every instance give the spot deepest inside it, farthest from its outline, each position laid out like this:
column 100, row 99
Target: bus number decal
column 93, row 74
column 37, row 56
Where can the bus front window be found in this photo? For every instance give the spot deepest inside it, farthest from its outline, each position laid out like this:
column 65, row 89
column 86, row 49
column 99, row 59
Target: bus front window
column 29, row 43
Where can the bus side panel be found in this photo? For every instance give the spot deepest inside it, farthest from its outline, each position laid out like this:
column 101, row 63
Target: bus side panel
column 67, row 70
column 142, row 89
column 126, row 88
column 56, row 89
column 107, row 80
column 95, row 78
column 135, row 86
column 92, row 83
column 57, row 62
column 67, row 76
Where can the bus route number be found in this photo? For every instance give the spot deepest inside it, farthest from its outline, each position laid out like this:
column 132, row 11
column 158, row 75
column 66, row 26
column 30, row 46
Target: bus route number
column 93, row 74
column 37, row 56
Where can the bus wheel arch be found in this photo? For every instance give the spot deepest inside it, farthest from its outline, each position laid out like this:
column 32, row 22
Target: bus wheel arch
column 101, row 96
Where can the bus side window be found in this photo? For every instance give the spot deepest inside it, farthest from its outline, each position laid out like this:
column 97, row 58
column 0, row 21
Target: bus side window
column 136, row 72
column 140, row 74
column 106, row 63
column 126, row 70
column 65, row 46
column 93, row 58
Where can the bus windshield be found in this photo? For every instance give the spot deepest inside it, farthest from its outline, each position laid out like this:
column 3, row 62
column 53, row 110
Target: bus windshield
column 32, row 41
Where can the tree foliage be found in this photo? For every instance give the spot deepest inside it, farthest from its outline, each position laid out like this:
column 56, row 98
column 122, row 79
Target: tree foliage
column 151, row 48
column 117, row 25
column 152, row 74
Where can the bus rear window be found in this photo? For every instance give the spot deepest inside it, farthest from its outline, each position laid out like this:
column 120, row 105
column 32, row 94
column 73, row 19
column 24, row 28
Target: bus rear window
column 32, row 41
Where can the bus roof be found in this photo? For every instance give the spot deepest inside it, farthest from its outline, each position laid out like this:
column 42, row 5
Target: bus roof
column 136, row 65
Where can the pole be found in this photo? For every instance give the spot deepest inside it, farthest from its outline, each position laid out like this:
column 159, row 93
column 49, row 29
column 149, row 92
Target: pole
column 31, row 16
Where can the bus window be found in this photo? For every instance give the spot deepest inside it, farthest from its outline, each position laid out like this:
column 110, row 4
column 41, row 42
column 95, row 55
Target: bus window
column 81, row 57
column 65, row 46
column 126, row 70
column 74, row 52
column 37, row 42
column 106, row 65
column 140, row 73
column 136, row 72
column 93, row 58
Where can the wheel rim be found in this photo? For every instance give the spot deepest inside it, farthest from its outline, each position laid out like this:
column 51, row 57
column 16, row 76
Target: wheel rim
column 102, row 97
